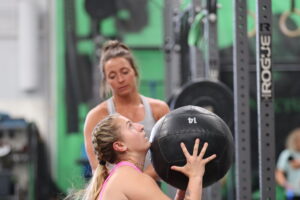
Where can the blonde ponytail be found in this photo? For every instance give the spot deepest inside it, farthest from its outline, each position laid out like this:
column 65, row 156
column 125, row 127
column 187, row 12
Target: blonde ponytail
column 104, row 135
column 93, row 189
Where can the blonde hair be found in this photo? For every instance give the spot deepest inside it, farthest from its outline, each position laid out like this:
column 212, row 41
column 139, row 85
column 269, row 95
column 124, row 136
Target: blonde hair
column 105, row 133
column 290, row 142
column 113, row 49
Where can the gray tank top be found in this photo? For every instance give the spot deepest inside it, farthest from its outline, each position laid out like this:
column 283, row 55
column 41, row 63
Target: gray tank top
column 148, row 121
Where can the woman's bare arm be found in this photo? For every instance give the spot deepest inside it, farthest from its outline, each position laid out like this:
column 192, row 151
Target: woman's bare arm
column 194, row 169
column 93, row 117
column 281, row 179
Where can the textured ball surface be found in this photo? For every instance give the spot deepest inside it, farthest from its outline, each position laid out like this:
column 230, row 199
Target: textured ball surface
column 185, row 124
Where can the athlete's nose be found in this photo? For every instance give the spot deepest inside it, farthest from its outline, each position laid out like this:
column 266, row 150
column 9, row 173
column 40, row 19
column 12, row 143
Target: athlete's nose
column 140, row 127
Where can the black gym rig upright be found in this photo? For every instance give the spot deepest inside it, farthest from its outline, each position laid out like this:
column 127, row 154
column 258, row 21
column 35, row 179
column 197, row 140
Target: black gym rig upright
column 265, row 96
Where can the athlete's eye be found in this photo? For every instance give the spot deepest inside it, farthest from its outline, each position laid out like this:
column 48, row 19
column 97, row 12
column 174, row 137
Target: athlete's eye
column 125, row 71
column 111, row 75
column 129, row 124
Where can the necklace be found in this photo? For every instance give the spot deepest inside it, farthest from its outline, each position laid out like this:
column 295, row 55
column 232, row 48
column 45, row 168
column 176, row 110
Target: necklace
column 139, row 165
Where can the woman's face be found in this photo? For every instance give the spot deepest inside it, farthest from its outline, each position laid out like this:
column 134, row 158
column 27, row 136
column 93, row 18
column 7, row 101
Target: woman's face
column 297, row 143
column 120, row 76
column 133, row 135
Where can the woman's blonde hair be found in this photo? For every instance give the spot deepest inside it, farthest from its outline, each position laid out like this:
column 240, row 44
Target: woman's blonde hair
column 105, row 133
column 292, row 138
column 113, row 49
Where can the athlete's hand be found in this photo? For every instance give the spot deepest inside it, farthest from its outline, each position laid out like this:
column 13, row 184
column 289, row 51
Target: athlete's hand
column 195, row 164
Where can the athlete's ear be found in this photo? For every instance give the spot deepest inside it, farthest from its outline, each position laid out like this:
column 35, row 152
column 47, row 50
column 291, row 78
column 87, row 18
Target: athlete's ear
column 119, row 146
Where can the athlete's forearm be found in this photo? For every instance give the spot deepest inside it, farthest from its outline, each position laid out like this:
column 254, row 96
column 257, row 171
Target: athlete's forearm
column 194, row 189
column 180, row 195
column 280, row 178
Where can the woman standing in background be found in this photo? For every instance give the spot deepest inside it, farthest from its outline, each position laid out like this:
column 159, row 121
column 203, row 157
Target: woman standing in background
column 288, row 166
column 120, row 79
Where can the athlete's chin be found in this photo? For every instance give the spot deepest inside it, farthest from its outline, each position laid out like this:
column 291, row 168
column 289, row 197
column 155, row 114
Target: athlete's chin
column 124, row 93
column 148, row 145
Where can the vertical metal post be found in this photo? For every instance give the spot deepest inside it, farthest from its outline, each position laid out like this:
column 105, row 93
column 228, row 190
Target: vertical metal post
column 266, row 138
column 172, row 50
column 212, row 68
column 241, row 101
column 212, row 59
column 172, row 56
column 196, row 58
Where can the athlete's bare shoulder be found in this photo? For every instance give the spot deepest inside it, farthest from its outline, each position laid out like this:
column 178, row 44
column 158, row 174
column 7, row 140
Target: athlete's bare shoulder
column 95, row 115
column 159, row 107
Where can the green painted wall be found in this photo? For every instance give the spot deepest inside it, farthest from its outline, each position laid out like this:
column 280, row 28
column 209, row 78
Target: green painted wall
column 68, row 173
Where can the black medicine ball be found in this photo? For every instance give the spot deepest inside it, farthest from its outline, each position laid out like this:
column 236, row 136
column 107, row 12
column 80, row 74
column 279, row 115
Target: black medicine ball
column 185, row 124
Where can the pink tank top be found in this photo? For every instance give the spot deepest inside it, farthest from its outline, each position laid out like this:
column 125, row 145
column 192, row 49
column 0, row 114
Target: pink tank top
column 120, row 164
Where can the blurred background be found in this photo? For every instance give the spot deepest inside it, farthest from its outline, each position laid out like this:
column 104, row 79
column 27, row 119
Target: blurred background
column 49, row 80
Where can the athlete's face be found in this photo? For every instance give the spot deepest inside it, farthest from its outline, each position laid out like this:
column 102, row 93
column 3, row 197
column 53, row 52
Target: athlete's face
column 133, row 135
column 120, row 76
column 297, row 143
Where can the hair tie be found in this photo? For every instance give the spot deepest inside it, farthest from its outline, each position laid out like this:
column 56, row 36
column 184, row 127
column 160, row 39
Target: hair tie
column 102, row 162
